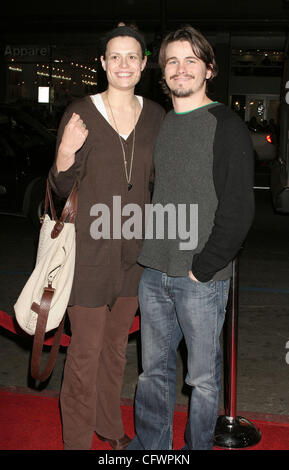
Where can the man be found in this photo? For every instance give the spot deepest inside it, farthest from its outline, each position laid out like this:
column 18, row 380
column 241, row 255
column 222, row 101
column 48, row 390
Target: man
column 203, row 156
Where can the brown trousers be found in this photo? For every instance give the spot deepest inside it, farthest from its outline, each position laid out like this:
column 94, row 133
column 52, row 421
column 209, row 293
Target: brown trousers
column 93, row 373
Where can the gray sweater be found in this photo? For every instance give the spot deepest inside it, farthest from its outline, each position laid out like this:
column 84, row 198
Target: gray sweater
column 204, row 162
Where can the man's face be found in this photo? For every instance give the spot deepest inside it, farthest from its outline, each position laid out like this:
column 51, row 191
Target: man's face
column 184, row 73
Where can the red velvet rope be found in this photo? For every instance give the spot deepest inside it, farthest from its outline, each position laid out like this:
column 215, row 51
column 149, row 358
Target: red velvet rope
column 9, row 323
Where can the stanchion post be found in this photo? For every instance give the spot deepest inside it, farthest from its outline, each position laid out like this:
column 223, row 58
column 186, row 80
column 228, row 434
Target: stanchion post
column 231, row 345
column 233, row 431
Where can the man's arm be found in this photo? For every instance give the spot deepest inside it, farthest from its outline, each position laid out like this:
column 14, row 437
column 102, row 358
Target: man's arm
column 233, row 172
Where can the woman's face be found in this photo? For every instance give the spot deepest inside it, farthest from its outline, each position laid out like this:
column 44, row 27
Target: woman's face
column 123, row 62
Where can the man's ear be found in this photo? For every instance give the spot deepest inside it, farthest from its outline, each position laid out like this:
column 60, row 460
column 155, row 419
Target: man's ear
column 209, row 72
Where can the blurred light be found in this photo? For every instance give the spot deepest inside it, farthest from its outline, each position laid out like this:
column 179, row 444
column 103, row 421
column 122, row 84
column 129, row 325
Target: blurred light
column 62, row 77
column 15, row 69
column 43, row 94
column 268, row 138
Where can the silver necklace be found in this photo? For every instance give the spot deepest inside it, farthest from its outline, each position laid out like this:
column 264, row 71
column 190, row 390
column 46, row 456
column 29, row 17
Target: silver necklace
column 127, row 174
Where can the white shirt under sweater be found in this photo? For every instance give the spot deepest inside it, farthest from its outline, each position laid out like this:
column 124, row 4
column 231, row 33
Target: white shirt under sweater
column 98, row 102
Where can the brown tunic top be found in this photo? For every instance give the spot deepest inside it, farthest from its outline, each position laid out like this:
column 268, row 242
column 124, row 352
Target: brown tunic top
column 107, row 268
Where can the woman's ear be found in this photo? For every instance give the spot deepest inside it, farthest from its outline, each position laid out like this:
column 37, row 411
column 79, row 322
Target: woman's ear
column 144, row 62
column 103, row 63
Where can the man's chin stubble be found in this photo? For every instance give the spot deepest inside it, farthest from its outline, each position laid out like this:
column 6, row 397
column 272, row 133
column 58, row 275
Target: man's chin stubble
column 179, row 93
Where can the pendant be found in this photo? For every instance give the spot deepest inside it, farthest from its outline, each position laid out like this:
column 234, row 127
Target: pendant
column 129, row 186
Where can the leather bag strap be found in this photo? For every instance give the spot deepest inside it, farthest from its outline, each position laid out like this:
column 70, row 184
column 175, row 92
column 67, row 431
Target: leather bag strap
column 42, row 310
column 68, row 212
column 70, row 209
column 49, row 201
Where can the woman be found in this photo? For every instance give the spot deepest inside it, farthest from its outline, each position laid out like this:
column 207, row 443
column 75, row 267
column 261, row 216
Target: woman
column 105, row 142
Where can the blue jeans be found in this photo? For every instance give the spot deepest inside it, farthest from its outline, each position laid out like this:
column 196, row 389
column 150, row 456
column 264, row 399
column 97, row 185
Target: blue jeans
column 173, row 307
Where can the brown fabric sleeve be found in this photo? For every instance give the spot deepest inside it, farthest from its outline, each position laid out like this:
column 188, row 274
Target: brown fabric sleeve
column 62, row 182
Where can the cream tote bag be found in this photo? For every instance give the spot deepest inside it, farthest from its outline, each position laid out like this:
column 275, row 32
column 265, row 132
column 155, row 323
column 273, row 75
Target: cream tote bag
column 42, row 304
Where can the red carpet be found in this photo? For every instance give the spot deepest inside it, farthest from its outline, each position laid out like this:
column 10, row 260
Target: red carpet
column 32, row 422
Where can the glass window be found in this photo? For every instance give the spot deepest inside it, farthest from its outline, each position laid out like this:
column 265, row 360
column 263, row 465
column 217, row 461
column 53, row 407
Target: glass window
column 257, row 62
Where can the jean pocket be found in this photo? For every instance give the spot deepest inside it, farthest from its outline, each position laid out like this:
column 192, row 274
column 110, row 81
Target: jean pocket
column 204, row 288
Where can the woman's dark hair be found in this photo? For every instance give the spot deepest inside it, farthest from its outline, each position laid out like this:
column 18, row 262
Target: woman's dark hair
column 124, row 30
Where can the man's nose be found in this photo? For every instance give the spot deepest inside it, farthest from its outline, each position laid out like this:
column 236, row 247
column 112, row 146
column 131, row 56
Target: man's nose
column 181, row 67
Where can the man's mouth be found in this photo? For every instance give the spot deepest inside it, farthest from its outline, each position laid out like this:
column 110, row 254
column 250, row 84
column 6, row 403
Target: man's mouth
column 182, row 77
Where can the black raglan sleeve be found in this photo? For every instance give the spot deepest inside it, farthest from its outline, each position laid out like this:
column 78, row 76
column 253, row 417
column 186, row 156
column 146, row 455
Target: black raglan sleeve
column 233, row 173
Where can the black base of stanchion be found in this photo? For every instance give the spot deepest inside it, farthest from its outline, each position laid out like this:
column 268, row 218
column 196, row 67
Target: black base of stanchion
column 235, row 433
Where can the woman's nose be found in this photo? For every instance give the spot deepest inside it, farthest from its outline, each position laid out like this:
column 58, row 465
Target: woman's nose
column 124, row 62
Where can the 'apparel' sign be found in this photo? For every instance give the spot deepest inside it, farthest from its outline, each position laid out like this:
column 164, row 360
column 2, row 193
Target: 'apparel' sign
column 25, row 51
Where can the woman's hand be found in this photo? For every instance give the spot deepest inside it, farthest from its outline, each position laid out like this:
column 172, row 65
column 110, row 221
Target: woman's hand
column 74, row 136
